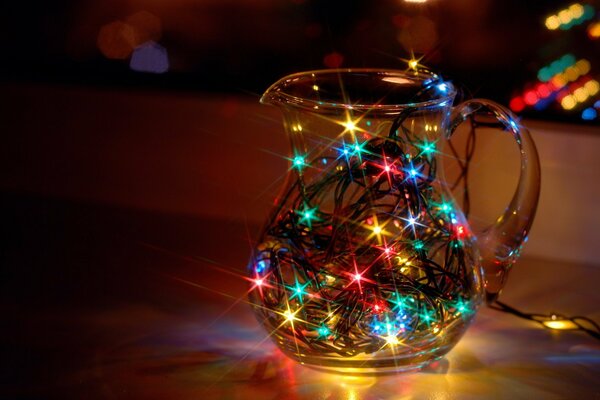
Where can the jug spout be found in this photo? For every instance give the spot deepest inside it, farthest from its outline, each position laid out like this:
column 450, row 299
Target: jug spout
column 275, row 94
column 268, row 97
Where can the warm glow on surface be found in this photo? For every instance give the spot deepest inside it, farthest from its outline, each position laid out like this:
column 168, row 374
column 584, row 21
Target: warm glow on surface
column 394, row 79
column 560, row 324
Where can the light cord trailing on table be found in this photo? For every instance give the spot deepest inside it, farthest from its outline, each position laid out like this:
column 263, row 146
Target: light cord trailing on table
column 550, row 321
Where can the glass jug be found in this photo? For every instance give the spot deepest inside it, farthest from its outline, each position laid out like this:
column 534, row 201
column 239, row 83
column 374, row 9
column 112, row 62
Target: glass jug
column 366, row 264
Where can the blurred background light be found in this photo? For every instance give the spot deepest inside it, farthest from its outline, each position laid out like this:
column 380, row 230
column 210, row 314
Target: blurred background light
column 116, row 40
column 594, row 30
column 333, row 60
column 243, row 45
column 150, row 57
column 565, row 19
column 419, row 34
column 589, row 114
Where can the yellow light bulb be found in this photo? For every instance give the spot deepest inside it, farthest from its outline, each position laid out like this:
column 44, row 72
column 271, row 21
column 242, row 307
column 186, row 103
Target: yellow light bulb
column 350, row 125
column 413, row 64
column 377, row 230
column 559, row 81
column 581, row 94
column 592, row 87
column 583, row 66
column 552, row 22
column 391, row 340
column 576, row 10
column 564, row 16
column 571, row 73
column 289, row 316
column 594, row 30
column 568, row 102
column 560, row 324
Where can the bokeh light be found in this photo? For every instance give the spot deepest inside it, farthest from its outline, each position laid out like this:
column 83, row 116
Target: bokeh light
column 116, row 40
column 333, row 60
column 418, row 35
column 565, row 19
column 589, row 114
column 594, row 30
column 150, row 57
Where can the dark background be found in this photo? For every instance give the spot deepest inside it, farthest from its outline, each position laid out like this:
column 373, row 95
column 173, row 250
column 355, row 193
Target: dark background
column 129, row 199
column 493, row 48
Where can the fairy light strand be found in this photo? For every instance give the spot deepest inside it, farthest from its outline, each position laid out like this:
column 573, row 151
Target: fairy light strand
column 384, row 267
column 369, row 255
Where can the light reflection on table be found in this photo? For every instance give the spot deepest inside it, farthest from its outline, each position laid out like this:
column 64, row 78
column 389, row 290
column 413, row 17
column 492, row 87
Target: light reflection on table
column 229, row 356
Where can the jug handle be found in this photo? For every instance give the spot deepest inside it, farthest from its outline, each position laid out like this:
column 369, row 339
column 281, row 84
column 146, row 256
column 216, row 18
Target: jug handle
column 500, row 244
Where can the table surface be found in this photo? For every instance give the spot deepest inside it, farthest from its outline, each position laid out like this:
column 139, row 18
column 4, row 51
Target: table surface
column 136, row 290
column 108, row 302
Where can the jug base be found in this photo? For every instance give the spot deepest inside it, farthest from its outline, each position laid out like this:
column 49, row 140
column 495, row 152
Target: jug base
column 368, row 367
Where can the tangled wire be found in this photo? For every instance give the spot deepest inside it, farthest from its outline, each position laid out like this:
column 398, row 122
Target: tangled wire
column 369, row 255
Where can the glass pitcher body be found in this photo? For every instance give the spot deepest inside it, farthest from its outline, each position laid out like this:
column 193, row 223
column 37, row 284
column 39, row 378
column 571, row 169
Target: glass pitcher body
column 366, row 264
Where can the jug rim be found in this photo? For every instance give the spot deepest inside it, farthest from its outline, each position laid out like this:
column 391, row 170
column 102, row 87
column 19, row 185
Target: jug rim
column 276, row 95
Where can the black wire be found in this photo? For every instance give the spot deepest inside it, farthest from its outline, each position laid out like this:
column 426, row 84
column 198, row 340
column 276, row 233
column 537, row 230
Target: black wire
column 332, row 242
column 580, row 322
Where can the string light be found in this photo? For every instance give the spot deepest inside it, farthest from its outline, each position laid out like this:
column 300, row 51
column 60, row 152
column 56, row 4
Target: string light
column 578, row 93
column 555, row 67
column 553, row 321
column 391, row 340
column 350, row 126
column 565, row 19
column 323, row 331
column 428, row 148
column 299, row 162
column 559, row 324
column 357, row 281
column 289, row 316
column 554, row 78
